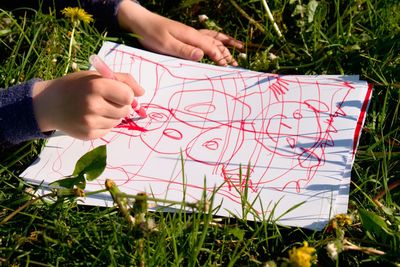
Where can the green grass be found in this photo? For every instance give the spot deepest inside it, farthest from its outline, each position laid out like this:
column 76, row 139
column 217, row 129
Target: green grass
column 338, row 37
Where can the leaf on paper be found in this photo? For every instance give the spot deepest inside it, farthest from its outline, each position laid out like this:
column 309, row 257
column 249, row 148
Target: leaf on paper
column 92, row 164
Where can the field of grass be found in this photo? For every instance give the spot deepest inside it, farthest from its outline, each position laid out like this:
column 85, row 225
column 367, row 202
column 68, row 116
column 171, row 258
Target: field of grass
column 318, row 37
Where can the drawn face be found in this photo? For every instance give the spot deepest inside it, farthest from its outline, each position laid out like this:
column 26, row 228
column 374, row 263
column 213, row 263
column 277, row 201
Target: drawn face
column 159, row 133
column 217, row 145
column 192, row 123
column 200, row 109
column 291, row 127
column 219, row 133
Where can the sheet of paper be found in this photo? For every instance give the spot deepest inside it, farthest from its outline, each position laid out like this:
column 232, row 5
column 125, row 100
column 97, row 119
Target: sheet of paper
column 294, row 135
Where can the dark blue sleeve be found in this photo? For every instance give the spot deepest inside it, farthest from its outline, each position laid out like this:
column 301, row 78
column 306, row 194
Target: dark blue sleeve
column 103, row 11
column 17, row 118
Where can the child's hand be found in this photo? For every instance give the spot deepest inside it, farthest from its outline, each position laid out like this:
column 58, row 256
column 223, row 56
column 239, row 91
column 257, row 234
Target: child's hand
column 83, row 104
column 167, row 36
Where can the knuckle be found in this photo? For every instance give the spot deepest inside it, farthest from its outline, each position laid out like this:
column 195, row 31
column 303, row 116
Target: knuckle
column 85, row 121
column 89, row 122
column 92, row 106
column 123, row 94
column 184, row 50
column 129, row 96
column 92, row 135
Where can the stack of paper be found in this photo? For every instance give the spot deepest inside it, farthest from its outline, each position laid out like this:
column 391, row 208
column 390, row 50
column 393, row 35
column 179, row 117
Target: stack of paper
column 293, row 137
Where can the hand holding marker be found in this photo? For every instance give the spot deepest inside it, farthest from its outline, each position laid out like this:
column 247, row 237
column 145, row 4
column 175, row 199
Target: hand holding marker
column 106, row 72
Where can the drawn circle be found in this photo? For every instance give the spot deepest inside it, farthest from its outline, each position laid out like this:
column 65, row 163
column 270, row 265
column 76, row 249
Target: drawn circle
column 158, row 116
column 212, row 144
column 172, row 133
column 297, row 115
column 200, row 108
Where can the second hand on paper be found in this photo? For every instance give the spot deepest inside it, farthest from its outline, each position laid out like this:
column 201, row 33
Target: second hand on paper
column 106, row 72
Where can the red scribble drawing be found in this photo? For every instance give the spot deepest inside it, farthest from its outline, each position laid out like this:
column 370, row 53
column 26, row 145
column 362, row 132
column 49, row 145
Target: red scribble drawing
column 231, row 129
column 243, row 128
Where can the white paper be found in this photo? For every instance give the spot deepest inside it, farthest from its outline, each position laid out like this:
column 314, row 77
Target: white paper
column 297, row 133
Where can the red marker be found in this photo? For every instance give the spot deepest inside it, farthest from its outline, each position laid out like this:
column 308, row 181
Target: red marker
column 106, row 72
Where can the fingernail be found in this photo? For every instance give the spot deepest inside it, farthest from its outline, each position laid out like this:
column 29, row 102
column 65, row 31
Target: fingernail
column 134, row 103
column 197, row 54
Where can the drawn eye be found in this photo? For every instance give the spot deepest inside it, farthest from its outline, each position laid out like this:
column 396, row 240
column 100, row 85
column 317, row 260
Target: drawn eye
column 316, row 106
column 172, row 133
column 157, row 116
column 200, row 108
column 212, row 144
column 297, row 115
column 291, row 142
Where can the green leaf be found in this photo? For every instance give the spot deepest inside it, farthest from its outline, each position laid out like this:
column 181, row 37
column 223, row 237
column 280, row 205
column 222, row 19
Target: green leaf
column 5, row 32
column 237, row 232
column 311, row 8
column 299, row 9
column 92, row 164
column 375, row 224
column 70, row 182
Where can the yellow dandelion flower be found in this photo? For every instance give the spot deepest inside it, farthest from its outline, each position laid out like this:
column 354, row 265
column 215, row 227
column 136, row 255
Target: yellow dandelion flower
column 343, row 219
column 340, row 220
column 76, row 15
column 303, row 256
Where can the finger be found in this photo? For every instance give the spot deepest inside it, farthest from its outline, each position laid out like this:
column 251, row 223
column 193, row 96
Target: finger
column 207, row 44
column 108, row 123
column 116, row 92
column 100, row 114
column 217, row 52
column 90, row 127
column 225, row 39
column 98, row 105
column 180, row 49
column 227, row 56
column 97, row 122
column 112, row 111
column 131, row 82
